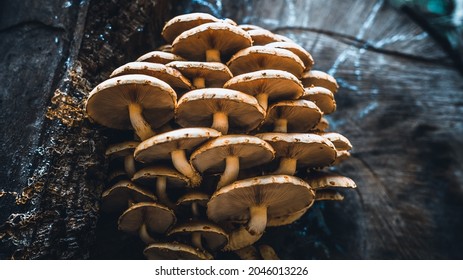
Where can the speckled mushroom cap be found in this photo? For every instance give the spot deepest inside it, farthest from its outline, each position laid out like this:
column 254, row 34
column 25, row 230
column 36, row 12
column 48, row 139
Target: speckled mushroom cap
column 117, row 198
column 175, row 251
column 211, row 42
column 148, row 176
column 262, row 37
column 325, row 180
column 304, row 55
column 157, row 218
column 263, row 57
column 108, row 102
column 213, row 235
column 315, row 78
column 214, row 74
column 200, row 108
column 167, row 74
column 321, row 96
column 293, row 116
column 340, row 141
column 121, row 149
column 179, row 24
column 159, row 57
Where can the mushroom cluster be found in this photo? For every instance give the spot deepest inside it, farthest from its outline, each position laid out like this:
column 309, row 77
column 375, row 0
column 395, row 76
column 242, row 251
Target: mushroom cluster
column 230, row 138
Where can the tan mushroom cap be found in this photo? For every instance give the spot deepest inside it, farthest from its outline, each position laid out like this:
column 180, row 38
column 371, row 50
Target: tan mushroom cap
column 323, row 125
column 321, row 96
column 156, row 217
column 340, row 141
column 259, row 199
column 179, row 24
column 211, row 42
column 213, row 235
column 323, row 180
column 174, row 251
column 203, row 74
column 121, row 149
column 161, row 57
column 267, row 85
column 293, row 116
column 171, row 76
column 263, row 57
column 118, row 197
column 300, row 150
column 221, row 109
column 148, row 176
column 328, row 195
column 304, row 55
column 262, row 37
column 315, row 78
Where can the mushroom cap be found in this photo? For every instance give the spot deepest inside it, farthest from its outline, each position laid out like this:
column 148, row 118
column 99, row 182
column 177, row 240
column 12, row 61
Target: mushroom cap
column 121, row 149
column 171, row 76
column 340, row 141
column 262, row 37
column 179, row 24
column 148, row 176
column 251, row 151
column 341, row 156
column 316, row 78
column 310, row 150
column 159, row 57
column 108, row 102
column 282, row 194
column 277, row 84
column 165, row 48
column 175, row 251
column 157, row 218
column 328, row 195
column 116, row 198
column 160, row 146
column 214, row 235
column 321, row 96
column 325, row 180
column 323, row 125
column 304, row 55
column 215, row 74
column 301, row 115
column 197, row 107
column 228, row 39
column 263, row 57
column 193, row 197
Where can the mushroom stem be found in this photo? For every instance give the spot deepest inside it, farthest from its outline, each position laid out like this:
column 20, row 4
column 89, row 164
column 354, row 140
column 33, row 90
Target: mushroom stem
column 183, row 166
column 213, row 55
column 262, row 99
column 196, row 240
column 144, row 235
column 129, row 165
column 287, row 167
column 199, row 82
column 241, row 238
column 141, row 127
column 281, row 125
column 258, row 219
column 161, row 187
column 220, row 122
column 232, row 169
column 195, row 209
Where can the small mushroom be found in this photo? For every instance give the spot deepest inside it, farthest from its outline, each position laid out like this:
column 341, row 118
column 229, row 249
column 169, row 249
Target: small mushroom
column 124, row 150
column 203, row 74
column 174, row 251
column 202, row 234
column 293, row 116
column 304, row 55
column 194, row 200
column 181, row 23
column 341, row 156
column 221, row 109
column 159, row 57
column 267, row 252
column 340, row 142
column 261, row 37
column 322, row 126
column 123, row 195
column 323, row 180
column 316, row 78
column 321, row 96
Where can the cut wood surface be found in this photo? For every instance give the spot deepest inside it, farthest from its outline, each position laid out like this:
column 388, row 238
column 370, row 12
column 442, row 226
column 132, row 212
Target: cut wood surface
column 400, row 104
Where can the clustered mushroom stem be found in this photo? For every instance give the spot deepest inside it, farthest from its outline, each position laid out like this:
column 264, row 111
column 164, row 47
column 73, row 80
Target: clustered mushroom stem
column 213, row 55
column 232, row 169
column 161, row 187
column 281, row 125
column 241, row 238
column 287, row 167
column 139, row 124
column 144, row 235
column 196, row 240
column 195, row 209
column 220, row 122
column 199, row 82
column 129, row 165
column 258, row 219
column 183, row 166
column 262, row 99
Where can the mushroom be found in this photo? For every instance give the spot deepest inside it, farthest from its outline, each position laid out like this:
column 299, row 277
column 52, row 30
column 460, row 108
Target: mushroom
column 174, row 145
column 304, row 55
column 340, row 142
column 161, row 178
column 194, row 200
column 322, row 126
column 323, row 180
column 321, row 96
column 221, row 109
column 211, row 42
column 263, row 57
column 259, row 199
column 241, row 238
column 267, row 252
column 174, row 251
column 133, row 101
column 181, row 23
column 159, row 57
column 124, row 150
column 293, row 116
column 203, row 74
column 316, row 78
column 341, row 156
column 202, row 234
column 229, row 153
column 123, row 195
column 267, row 85
column 300, row 149
column 328, row 195
column 262, row 37
column 146, row 217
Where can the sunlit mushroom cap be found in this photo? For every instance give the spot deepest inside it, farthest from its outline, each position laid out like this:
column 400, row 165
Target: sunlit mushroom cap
column 160, row 146
column 159, row 57
column 213, row 235
column 116, row 198
column 157, row 218
column 301, row 115
column 340, row 141
column 108, row 102
column 304, row 55
column 262, row 37
column 315, row 78
column 196, row 108
column 325, row 180
column 226, row 38
column 263, row 57
column 321, row 96
column 148, row 176
column 251, row 151
column 179, row 24
column 175, row 251
column 121, row 149
column 215, row 74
